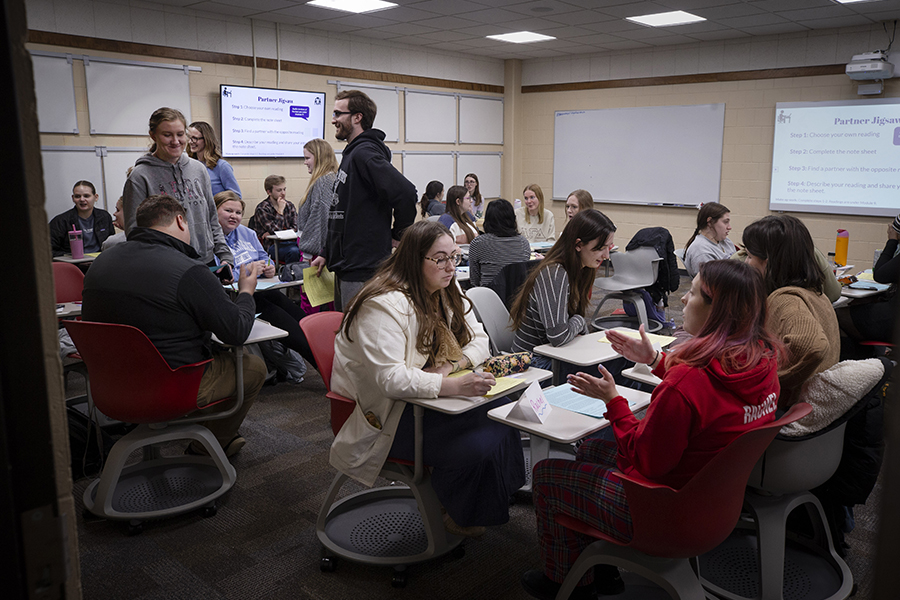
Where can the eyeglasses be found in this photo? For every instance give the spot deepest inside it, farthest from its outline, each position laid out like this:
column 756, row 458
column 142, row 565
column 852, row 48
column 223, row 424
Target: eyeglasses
column 443, row 261
column 195, row 138
column 336, row 114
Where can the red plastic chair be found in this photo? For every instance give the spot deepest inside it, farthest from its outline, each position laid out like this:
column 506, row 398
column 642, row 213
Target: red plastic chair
column 394, row 516
column 68, row 281
column 672, row 526
column 154, row 395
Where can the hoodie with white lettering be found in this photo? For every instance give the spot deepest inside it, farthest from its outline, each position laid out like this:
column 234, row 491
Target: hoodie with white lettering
column 694, row 413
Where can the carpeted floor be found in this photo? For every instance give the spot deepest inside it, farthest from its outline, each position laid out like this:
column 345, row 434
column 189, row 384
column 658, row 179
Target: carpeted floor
column 262, row 543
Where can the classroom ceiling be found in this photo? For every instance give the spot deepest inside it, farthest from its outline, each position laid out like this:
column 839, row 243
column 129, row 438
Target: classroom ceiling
column 580, row 26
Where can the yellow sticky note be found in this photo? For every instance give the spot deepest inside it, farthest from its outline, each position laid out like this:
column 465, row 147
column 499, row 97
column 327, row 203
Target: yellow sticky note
column 319, row 289
column 91, row 254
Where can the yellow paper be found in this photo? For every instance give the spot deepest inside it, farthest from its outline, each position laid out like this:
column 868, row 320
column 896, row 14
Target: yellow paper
column 319, row 290
column 91, row 254
column 663, row 340
column 503, row 383
column 865, row 275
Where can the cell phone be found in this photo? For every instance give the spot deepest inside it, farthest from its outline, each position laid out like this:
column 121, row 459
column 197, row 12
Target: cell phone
column 848, row 280
column 223, row 272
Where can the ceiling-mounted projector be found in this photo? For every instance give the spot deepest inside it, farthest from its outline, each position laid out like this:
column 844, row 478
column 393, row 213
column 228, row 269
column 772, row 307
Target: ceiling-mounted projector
column 871, row 65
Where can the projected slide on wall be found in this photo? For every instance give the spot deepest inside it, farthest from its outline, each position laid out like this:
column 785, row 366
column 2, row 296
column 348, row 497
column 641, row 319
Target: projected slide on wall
column 261, row 122
column 837, row 157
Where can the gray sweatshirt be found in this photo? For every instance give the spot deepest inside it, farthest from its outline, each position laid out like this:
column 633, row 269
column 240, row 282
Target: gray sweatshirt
column 188, row 182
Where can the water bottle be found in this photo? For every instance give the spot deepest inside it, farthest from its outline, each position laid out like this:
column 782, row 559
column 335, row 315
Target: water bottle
column 840, row 247
column 517, row 203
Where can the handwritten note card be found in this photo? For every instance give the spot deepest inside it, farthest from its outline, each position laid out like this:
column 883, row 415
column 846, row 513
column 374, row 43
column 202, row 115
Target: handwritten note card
column 532, row 406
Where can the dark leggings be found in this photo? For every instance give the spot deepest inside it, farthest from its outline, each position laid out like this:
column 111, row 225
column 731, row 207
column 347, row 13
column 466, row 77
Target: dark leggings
column 280, row 311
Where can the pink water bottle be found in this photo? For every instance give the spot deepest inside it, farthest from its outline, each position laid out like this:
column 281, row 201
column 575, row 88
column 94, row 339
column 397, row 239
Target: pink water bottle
column 840, row 247
column 76, row 243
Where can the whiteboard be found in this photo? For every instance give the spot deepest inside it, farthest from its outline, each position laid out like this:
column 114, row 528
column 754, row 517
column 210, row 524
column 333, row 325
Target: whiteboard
column 486, row 166
column 422, row 168
column 62, row 168
column 480, row 120
column 430, row 117
column 648, row 155
column 54, row 87
column 115, row 165
column 121, row 97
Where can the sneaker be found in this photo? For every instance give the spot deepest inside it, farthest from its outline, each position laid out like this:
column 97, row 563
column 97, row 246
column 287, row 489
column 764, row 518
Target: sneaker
column 473, row 531
column 235, row 445
column 540, row 586
column 607, row 580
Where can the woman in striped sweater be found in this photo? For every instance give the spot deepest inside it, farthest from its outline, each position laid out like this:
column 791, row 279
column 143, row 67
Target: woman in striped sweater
column 550, row 306
column 500, row 245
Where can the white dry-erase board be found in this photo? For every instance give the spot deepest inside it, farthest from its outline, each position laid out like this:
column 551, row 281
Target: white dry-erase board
column 647, row 155
column 387, row 99
column 480, row 120
column 486, row 167
column 121, row 97
column 62, row 168
column 430, row 117
column 115, row 165
column 425, row 167
column 54, row 88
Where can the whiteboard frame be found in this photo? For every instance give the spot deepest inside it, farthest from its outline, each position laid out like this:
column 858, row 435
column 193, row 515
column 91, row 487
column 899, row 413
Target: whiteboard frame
column 479, row 126
column 58, row 110
column 482, row 179
column 54, row 194
column 392, row 129
column 446, row 180
column 412, row 117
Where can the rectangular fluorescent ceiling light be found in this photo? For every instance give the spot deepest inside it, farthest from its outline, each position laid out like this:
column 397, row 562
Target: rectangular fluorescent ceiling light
column 852, row 1
column 521, row 37
column 353, row 6
column 666, row 19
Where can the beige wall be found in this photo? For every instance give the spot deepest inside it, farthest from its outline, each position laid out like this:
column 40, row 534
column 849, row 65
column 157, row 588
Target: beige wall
column 747, row 154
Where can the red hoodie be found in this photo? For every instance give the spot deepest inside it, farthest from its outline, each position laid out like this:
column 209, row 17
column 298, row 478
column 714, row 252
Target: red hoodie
column 693, row 414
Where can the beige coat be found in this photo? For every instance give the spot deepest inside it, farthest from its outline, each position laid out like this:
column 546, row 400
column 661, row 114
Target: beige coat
column 378, row 369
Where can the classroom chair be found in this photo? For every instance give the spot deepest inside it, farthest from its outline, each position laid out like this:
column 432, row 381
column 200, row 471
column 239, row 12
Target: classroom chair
column 634, row 270
column 395, row 525
column 157, row 398
column 672, row 527
column 68, row 281
column 490, row 312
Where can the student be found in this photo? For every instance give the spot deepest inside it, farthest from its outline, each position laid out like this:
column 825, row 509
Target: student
column 402, row 335
column 94, row 223
column 710, row 238
column 710, row 386
column 204, row 147
column 276, row 213
column 119, row 222
column 430, row 203
column 458, row 216
column 781, row 249
column 312, row 218
column 551, row 305
column 534, row 221
column 471, row 185
column 167, row 169
column 578, row 201
column 271, row 305
column 500, row 245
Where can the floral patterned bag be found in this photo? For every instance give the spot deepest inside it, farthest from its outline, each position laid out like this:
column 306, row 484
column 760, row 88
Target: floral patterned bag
column 507, row 364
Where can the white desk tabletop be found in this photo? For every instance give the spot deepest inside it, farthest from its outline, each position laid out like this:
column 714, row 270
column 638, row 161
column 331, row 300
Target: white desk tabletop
column 461, row 404
column 848, row 292
column 564, row 426
column 68, row 258
column 69, row 309
column 261, row 332
column 268, row 283
column 584, row 350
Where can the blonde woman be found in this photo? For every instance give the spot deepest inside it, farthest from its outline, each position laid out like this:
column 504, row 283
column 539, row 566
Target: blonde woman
column 203, row 145
column 534, row 221
column 312, row 219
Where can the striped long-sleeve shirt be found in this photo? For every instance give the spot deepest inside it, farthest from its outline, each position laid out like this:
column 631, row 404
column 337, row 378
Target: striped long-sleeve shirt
column 489, row 253
column 546, row 318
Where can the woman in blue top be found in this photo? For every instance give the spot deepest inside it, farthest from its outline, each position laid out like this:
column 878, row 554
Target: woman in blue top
column 272, row 305
column 203, row 145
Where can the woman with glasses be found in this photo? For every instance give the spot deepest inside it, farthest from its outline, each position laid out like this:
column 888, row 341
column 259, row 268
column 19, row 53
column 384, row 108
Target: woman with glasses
column 551, row 305
column 471, row 184
column 203, row 145
column 407, row 330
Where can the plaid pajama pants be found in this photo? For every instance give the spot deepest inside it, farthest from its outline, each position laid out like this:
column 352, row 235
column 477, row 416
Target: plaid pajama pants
column 586, row 489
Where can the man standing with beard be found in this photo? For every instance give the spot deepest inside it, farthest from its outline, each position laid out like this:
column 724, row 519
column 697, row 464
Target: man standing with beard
column 373, row 202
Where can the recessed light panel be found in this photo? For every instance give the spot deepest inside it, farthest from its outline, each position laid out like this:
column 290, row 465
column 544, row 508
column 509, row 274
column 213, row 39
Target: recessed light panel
column 667, row 19
column 354, row 6
column 521, row 37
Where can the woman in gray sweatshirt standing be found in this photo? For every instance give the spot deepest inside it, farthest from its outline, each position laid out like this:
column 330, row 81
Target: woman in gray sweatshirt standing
column 168, row 170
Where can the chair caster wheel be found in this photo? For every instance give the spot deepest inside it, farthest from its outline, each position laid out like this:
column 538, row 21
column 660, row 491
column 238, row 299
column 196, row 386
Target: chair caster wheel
column 458, row 552
column 327, row 564
column 399, row 578
column 209, row 511
column 135, row 527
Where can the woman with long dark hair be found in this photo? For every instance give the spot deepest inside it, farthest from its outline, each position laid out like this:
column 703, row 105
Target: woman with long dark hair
column 714, row 387
column 500, row 245
column 710, row 238
column 800, row 315
column 403, row 334
column 457, row 218
column 430, row 203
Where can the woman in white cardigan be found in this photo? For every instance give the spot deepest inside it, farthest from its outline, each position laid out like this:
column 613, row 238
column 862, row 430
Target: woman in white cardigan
column 406, row 331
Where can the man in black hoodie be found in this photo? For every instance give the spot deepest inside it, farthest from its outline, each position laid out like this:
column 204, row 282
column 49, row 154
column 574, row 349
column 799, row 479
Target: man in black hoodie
column 373, row 202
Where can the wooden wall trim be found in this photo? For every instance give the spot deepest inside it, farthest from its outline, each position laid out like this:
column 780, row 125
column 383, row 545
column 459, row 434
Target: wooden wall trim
column 89, row 43
column 680, row 79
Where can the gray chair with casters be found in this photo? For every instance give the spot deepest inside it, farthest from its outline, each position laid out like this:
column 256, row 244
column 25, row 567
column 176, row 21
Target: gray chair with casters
column 634, row 270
